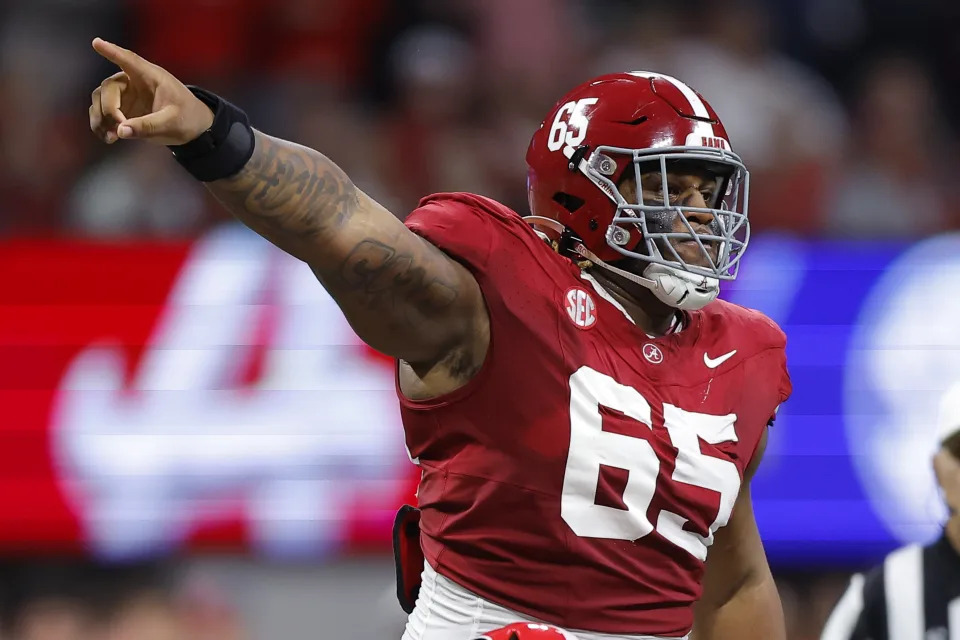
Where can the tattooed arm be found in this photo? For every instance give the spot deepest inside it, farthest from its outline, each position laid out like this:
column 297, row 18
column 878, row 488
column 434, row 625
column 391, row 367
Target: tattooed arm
column 402, row 295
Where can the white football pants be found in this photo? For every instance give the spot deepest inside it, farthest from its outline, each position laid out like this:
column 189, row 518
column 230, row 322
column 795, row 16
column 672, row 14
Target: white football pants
column 447, row 611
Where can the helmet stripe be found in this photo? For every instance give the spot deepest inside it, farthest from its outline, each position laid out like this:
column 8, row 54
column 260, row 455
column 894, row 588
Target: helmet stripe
column 699, row 109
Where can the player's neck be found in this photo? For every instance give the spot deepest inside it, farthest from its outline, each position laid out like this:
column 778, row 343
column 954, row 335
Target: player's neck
column 953, row 532
column 649, row 313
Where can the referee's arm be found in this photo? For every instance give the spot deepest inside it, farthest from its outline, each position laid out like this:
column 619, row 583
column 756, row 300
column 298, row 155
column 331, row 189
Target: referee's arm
column 861, row 612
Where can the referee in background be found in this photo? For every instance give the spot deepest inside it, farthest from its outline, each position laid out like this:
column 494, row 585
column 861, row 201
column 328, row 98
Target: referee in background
column 915, row 593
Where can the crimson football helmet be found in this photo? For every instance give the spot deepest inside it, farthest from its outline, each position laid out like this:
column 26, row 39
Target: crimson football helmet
column 528, row 631
column 624, row 125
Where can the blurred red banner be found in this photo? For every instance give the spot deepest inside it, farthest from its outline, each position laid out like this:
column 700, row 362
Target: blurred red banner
column 158, row 397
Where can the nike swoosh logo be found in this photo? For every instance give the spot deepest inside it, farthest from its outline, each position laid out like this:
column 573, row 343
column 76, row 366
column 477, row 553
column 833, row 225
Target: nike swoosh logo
column 713, row 363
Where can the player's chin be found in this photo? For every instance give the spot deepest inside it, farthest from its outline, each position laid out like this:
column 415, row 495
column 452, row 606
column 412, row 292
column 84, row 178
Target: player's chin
column 691, row 253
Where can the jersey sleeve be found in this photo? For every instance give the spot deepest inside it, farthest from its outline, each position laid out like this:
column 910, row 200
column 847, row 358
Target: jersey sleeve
column 769, row 378
column 466, row 227
column 784, row 384
column 774, row 358
column 765, row 346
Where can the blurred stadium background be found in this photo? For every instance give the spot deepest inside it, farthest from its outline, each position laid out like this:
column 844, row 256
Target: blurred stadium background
column 194, row 445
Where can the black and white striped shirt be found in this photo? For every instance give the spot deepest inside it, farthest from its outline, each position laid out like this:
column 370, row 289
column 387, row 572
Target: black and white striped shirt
column 913, row 595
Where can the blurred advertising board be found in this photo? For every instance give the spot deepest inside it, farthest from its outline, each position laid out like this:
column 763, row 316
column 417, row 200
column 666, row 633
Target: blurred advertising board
column 158, row 397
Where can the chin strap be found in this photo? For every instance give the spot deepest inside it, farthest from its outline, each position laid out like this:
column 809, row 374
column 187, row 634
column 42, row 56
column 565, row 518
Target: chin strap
column 632, row 277
column 581, row 250
column 672, row 286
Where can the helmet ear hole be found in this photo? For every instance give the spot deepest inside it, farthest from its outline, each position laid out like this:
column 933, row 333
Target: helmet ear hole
column 567, row 201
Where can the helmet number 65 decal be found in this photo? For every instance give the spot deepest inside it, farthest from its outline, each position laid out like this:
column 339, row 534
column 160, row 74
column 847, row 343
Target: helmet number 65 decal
column 569, row 128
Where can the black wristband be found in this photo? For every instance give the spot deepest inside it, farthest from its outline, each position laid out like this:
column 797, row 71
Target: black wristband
column 223, row 149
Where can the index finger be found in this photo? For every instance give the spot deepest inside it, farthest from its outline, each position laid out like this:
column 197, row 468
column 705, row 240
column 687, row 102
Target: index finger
column 123, row 58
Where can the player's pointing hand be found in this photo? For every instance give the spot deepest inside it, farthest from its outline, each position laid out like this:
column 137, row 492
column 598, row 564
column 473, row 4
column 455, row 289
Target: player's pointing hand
column 144, row 101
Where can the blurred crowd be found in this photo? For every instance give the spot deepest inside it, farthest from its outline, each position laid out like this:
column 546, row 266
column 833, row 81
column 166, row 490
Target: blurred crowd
column 211, row 599
column 59, row 599
column 845, row 110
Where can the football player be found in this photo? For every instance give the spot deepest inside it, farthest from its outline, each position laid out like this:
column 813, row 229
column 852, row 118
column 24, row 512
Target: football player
column 586, row 416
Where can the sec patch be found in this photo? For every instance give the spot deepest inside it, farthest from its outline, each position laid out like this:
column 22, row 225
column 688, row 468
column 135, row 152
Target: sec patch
column 581, row 308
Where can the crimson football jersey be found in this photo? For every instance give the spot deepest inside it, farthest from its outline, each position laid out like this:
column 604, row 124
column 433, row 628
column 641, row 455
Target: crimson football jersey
column 579, row 476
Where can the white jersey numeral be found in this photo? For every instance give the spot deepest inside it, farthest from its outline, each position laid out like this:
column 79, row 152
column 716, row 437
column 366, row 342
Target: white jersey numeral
column 569, row 128
column 591, row 448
